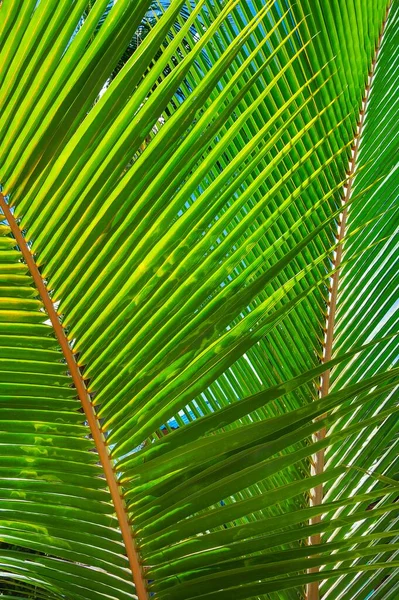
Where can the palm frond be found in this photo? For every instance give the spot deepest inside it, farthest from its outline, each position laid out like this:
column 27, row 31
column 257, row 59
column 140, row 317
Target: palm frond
column 174, row 214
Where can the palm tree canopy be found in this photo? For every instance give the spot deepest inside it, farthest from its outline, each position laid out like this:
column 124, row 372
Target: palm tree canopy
column 198, row 216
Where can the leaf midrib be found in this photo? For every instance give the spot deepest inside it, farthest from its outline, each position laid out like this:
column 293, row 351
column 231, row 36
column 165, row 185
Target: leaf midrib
column 92, row 420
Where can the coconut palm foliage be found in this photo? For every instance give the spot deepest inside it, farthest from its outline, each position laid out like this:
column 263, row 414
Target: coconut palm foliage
column 166, row 253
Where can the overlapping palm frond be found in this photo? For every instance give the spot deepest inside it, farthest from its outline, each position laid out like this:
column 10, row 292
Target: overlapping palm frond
column 178, row 217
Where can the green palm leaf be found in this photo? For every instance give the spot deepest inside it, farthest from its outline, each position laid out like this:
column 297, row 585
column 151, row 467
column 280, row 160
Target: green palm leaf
column 183, row 215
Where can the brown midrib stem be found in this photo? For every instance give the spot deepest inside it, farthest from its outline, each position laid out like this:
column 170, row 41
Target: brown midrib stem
column 98, row 437
column 319, row 457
